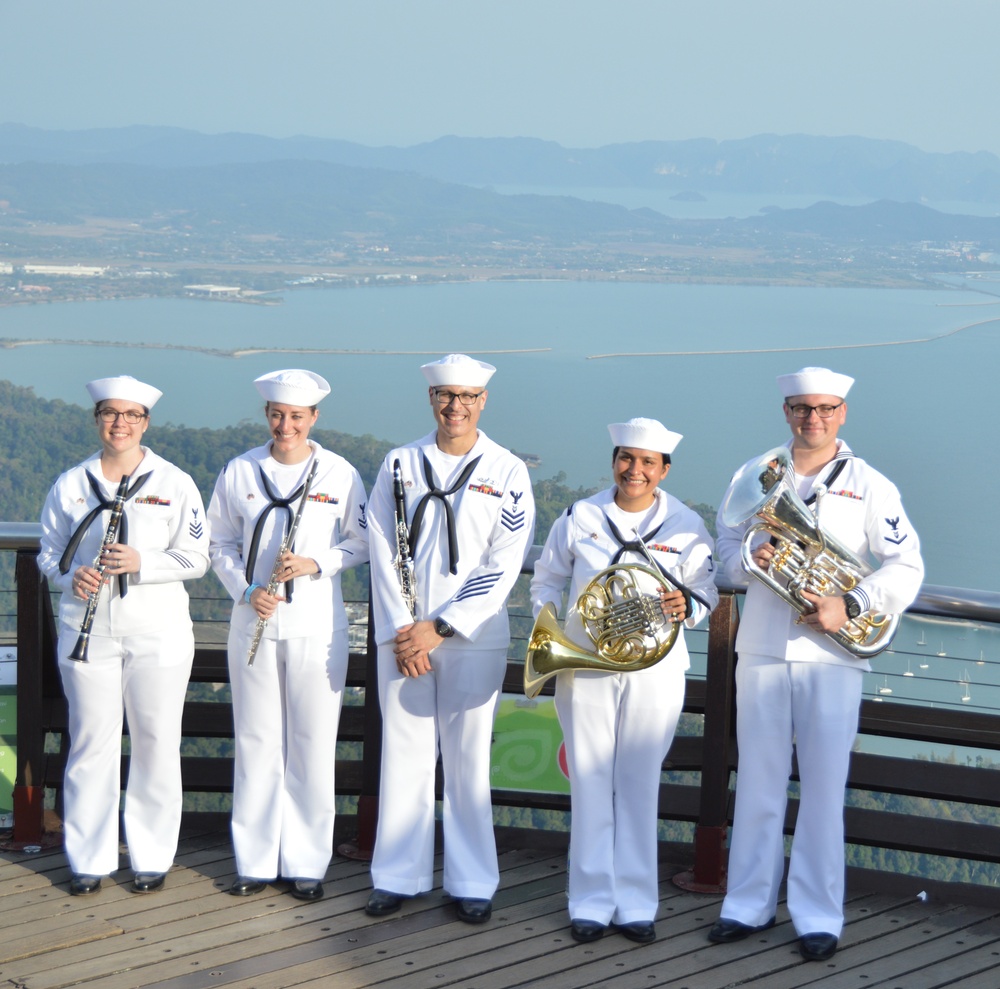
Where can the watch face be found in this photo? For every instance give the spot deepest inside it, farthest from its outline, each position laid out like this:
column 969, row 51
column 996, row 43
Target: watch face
column 443, row 628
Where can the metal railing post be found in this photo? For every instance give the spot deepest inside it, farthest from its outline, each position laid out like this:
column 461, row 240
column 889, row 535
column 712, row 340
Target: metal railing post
column 29, row 789
column 709, row 872
column 371, row 755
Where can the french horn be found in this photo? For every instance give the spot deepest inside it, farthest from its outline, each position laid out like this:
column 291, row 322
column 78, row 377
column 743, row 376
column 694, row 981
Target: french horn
column 805, row 557
column 625, row 623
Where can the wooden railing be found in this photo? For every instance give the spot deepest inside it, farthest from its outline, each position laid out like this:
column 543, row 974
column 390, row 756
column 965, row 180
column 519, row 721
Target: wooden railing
column 711, row 757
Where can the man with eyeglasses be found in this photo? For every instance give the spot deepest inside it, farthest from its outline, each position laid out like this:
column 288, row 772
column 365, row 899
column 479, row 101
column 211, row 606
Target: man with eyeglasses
column 469, row 511
column 796, row 687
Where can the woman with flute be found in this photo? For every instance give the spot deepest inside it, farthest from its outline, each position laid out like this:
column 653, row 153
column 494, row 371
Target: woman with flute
column 618, row 727
column 125, row 640
column 287, row 647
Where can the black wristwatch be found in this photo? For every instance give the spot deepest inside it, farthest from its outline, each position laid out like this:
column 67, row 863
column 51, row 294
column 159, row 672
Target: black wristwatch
column 443, row 628
column 851, row 606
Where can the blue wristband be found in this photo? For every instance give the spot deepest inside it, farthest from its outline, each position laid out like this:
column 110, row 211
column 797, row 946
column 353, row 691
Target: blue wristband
column 248, row 593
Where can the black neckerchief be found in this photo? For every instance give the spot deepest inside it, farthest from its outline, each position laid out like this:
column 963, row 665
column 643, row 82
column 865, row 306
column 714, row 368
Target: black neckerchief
column 449, row 512
column 275, row 501
column 628, row 545
column 104, row 504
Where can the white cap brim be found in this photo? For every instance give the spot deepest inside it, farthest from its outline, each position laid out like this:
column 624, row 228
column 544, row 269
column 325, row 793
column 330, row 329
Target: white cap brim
column 123, row 387
column 293, row 386
column 644, row 434
column 815, row 381
column 458, row 369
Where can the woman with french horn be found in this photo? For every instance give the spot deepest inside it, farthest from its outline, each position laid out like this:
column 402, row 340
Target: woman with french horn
column 618, row 727
column 288, row 633
column 120, row 533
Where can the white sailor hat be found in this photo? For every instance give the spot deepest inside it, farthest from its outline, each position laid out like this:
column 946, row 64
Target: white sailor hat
column 815, row 381
column 125, row 387
column 457, row 369
column 293, row 387
column 644, row 434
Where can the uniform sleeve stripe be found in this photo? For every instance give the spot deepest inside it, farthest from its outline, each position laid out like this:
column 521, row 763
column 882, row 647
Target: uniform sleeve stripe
column 182, row 560
column 477, row 586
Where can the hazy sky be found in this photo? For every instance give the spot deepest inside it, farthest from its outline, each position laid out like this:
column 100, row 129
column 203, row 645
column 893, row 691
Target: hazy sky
column 580, row 72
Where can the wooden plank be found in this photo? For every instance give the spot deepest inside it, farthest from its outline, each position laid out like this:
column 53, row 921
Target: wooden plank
column 920, row 778
column 50, row 938
column 879, row 946
column 253, row 941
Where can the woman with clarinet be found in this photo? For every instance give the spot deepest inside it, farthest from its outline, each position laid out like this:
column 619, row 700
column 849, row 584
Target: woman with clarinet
column 120, row 533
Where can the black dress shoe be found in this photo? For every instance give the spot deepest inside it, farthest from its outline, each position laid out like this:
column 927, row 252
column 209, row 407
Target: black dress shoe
column 586, row 931
column 307, row 889
column 245, row 886
column 726, row 931
column 84, row 885
column 382, row 902
column 475, row 911
column 642, row 932
column 148, row 882
column 817, row 947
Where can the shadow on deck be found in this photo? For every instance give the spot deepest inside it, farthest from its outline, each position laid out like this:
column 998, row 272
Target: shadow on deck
column 192, row 935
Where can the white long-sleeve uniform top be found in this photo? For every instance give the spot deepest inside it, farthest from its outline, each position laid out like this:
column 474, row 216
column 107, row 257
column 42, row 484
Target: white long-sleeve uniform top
column 166, row 525
column 862, row 510
column 332, row 532
column 580, row 545
column 495, row 523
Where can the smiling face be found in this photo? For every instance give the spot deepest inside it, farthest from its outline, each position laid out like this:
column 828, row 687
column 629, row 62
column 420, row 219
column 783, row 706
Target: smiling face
column 119, row 437
column 637, row 475
column 290, row 425
column 457, row 423
column 812, row 434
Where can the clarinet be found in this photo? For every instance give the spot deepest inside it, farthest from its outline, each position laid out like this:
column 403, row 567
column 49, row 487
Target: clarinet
column 79, row 652
column 404, row 562
column 286, row 544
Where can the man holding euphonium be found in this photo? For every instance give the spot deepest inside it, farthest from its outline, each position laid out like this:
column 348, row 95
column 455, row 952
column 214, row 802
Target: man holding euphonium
column 797, row 686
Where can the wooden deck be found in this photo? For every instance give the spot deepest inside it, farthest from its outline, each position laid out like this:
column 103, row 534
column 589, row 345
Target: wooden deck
column 192, row 935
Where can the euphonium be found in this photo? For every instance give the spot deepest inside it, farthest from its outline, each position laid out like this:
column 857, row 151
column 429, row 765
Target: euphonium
column 625, row 623
column 805, row 557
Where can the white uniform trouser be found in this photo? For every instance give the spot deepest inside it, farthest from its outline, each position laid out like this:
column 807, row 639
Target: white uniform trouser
column 450, row 711
column 816, row 705
column 286, row 709
column 144, row 676
column 618, row 728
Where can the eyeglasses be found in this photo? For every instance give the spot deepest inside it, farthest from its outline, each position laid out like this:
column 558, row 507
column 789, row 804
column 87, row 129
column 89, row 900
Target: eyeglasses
column 443, row 397
column 823, row 411
column 131, row 417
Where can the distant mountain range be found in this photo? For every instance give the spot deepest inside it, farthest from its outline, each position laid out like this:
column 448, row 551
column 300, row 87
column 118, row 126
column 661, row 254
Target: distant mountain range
column 179, row 194
column 766, row 163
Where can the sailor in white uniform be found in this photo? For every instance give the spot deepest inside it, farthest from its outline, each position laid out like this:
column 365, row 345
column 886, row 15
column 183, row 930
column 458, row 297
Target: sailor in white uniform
column 470, row 515
column 286, row 705
column 797, row 687
column 618, row 727
column 141, row 645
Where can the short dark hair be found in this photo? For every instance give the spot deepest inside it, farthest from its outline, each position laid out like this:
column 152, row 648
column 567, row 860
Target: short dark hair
column 666, row 456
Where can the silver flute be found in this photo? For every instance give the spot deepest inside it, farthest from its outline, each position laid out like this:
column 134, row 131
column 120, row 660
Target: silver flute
column 404, row 562
column 286, row 544
column 79, row 652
